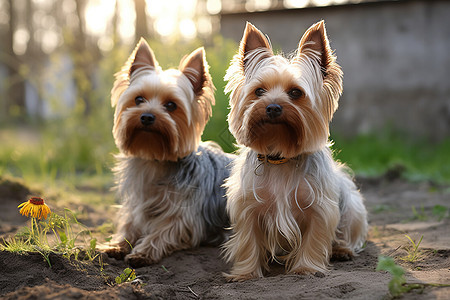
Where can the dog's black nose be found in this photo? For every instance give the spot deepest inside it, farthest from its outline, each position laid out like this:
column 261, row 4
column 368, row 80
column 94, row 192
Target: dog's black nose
column 148, row 119
column 273, row 110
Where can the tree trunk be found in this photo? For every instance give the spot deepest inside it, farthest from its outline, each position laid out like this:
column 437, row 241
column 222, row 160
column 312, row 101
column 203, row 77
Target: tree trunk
column 141, row 29
column 14, row 105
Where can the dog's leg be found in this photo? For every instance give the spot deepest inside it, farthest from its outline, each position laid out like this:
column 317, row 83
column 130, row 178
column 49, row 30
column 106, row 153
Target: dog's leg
column 163, row 239
column 315, row 250
column 352, row 229
column 245, row 251
column 123, row 240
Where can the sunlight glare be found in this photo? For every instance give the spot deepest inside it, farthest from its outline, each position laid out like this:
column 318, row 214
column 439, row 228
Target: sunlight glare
column 187, row 7
column 214, row 6
column 50, row 40
column 322, row 2
column 187, row 28
column 168, row 18
column 165, row 26
column 295, row 3
column 204, row 26
column 256, row 5
column 127, row 20
column 97, row 14
column 20, row 41
column 173, row 16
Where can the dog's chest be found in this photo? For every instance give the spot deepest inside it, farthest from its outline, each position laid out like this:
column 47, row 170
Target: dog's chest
column 282, row 193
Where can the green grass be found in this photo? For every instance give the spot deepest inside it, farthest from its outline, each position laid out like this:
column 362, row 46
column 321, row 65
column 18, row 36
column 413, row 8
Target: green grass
column 373, row 155
column 412, row 249
column 397, row 285
column 61, row 234
column 127, row 275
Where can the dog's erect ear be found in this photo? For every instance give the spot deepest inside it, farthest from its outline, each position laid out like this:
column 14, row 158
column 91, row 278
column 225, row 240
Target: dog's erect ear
column 195, row 68
column 315, row 45
column 142, row 56
column 253, row 39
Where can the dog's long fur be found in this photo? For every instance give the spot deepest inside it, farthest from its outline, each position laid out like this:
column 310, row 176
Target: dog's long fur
column 301, row 211
column 168, row 181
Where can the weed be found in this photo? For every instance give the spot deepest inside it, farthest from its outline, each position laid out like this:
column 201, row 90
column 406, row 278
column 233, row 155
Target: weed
column 419, row 215
column 16, row 245
column 397, row 285
column 381, row 208
column 439, row 211
column 126, row 276
column 412, row 250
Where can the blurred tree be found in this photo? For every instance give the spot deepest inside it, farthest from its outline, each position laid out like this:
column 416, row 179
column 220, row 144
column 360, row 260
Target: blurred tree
column 85, row 54
column 14, row 102
column 34, row 58
column 115, row 24
column 141, row 28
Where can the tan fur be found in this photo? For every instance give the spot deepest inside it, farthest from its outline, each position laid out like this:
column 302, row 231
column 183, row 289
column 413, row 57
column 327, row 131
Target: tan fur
column 296, row 212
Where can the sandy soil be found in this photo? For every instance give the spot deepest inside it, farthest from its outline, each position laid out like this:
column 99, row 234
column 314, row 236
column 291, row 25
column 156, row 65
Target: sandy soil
column 197, row 273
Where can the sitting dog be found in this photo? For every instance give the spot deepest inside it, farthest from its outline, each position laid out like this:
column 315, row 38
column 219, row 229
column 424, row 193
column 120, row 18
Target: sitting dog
column 169, row 182
column 288, row 200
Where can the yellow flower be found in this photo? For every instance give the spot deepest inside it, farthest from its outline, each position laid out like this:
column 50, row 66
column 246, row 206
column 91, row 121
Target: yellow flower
column 35, row 207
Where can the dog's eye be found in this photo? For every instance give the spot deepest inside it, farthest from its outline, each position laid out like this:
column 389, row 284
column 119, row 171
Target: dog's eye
column 170, row 106
column 295, row 94
column 259, row 92
column 139, row 99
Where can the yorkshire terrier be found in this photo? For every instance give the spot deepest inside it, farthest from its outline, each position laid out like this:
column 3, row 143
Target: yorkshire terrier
column 288, row 200
column 169, row 182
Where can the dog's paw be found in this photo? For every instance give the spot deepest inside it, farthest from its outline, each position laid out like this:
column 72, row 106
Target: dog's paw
column 342, row 254
column 307, row 271
column 138, row 260
column 116, row 251
column 240, row 277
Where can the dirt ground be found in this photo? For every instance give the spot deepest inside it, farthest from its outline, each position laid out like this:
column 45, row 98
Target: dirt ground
column 197, row 273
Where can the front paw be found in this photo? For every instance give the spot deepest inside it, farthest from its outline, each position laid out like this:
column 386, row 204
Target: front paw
column 117, row 251
column 240, row 277
column 342, row 253
column 138, row 260
column 307, row 271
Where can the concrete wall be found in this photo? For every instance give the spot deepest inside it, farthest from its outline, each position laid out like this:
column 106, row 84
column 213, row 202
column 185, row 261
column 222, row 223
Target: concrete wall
column 395, row 57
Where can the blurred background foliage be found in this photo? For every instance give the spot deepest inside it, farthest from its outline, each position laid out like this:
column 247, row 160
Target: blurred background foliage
column 78, row 139
column 55, row 111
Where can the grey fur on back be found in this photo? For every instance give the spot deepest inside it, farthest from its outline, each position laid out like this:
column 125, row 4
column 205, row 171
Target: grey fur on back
column 203, row 172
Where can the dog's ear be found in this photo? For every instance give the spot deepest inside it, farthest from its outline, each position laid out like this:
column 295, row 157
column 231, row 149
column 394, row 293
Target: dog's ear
column 142, row 56
column 253, row 39
column 195, row 67
column 315, row 45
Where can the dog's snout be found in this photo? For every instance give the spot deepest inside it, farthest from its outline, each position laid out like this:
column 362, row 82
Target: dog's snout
column 148, row 119
column 274, row 110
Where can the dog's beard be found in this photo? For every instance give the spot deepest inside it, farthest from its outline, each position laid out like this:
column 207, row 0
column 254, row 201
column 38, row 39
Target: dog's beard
column 276, row 138
column 152, row 144
column 300, row 129
column 158, row 141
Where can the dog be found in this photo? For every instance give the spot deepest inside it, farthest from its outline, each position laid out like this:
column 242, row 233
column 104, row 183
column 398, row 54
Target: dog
column 288, row 200
column 169, row 182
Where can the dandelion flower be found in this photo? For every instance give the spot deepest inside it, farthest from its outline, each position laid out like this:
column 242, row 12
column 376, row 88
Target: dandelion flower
column 35, row 207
